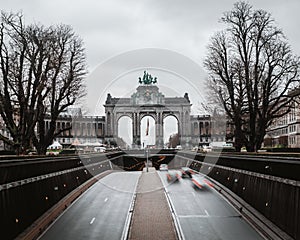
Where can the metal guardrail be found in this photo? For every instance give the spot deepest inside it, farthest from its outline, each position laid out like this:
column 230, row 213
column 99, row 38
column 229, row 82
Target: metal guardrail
column 27, row 160
column 255, row 157
column 15, row 162
column 279, row 159
column 249, row 173
column 282, row 167
column 18, row 183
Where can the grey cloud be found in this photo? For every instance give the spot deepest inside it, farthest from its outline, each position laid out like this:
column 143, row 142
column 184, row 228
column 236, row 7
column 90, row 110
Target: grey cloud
column 109, row 28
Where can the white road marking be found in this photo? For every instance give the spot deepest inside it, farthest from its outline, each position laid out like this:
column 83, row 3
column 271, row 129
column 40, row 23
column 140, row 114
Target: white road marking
column 91, row 222
column 105, row 200
column 192, row 216
column 206, row 212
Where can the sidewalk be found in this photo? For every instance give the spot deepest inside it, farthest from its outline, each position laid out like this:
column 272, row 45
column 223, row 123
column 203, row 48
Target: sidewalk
column 151, row 217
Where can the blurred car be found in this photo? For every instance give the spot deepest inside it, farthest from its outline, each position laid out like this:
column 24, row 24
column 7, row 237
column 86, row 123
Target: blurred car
column 173, row 176
column 195, row 149
column 100, row 149
column 163, row 167
column 186, row 172
column 207, row 148
column 178, row 147
column 200, row 182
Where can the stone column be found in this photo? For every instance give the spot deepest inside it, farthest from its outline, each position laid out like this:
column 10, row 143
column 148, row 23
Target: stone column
column 112, row 122
column 180, row 128
column 138, row 127
column 187, row 129
column 108, row 125
column 136, row 130
column 162, row 129
column 133, row 129
column 116, row 125
column 159, row 130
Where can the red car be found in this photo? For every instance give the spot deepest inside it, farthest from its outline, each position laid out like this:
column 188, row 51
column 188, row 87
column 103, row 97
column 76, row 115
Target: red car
column 186, row 172
column 173, row 176
column 201, row 182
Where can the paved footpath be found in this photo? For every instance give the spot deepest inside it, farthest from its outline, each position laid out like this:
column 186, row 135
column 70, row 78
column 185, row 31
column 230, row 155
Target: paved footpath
column 151, row 216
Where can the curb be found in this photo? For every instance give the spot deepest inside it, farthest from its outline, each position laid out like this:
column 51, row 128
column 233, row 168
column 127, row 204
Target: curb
column 126, row 229
column 178, row 228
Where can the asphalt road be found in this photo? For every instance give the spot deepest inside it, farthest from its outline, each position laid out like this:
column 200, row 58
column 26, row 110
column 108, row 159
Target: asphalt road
column 204, row 214
column 100, row 213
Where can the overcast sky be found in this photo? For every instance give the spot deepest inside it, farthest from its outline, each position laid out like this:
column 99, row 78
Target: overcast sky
column 110, row 28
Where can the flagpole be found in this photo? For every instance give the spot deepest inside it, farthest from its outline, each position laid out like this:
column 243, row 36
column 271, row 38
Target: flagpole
column 147, row 150
column 147, row 158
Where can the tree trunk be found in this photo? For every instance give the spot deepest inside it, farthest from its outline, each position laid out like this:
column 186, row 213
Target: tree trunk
column 41, row 149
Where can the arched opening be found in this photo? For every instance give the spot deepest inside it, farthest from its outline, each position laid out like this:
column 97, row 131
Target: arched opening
column 124, row 139
column 147, row 132
column 171, row 136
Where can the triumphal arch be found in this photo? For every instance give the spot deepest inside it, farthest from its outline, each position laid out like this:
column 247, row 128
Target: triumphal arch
column 148, row 101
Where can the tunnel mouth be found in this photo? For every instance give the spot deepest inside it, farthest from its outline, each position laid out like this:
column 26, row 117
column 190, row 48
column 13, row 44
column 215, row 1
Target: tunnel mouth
column 137, row 160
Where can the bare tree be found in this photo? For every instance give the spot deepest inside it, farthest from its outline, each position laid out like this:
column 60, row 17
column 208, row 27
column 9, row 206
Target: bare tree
column 253, row 72
column 12, row 94
column 42, row 72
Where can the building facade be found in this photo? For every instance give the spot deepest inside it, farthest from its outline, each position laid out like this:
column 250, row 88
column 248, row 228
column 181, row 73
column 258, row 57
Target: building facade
column 193, row 130
column 148, row 101
column 285, row 131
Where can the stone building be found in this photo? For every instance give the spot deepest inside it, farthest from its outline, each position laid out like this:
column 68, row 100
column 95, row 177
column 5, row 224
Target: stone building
column 86, row 130
column 147, row 100
column 285, row 131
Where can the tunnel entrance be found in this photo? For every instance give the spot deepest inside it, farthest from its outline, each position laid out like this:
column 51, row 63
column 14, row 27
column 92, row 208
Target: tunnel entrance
column 136, row 160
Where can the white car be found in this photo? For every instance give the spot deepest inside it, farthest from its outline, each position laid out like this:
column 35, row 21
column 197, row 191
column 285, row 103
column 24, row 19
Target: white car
column 99, row 149
column 163, row 167
column 178, row 147
column 207, row 148
column 195, row 149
